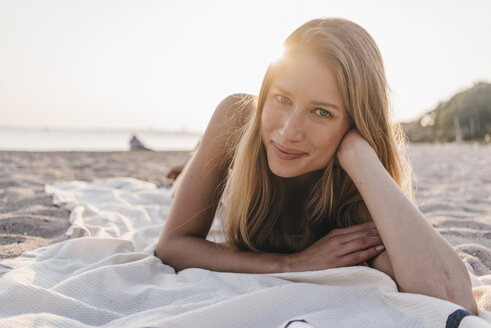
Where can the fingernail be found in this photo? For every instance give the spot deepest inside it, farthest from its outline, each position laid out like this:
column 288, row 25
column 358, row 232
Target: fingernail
column 379, row 247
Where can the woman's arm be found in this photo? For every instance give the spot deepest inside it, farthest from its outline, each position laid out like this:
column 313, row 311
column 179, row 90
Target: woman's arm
column 183, row 243
column 422, row 261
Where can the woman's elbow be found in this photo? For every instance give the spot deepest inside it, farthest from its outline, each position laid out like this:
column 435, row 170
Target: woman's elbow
column 172, row 251
column 163, row 252
column 468, row 303
column 462, row 295
column 158, row 253
column 458, row 288
column 449, row 284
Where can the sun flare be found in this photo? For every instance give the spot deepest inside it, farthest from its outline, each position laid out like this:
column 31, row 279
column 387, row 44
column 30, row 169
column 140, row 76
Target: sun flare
column 276, row 52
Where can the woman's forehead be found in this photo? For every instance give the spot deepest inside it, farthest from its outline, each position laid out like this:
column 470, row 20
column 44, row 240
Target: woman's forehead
column 305, row 75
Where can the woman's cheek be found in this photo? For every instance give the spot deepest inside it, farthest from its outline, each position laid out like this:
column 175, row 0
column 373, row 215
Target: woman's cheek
column 269, row 118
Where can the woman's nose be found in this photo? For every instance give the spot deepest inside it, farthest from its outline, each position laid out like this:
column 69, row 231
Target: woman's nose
column 292, row 127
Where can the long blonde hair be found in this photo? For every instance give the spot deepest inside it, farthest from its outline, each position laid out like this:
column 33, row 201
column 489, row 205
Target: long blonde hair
column 255, row 196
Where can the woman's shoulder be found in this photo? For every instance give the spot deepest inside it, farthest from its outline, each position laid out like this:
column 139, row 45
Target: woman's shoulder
column 227, row 125
column 234, row 111
column 217, row 146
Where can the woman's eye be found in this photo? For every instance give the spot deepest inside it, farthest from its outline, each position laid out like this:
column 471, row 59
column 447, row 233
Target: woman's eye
column 322, row 112
column 282, row 99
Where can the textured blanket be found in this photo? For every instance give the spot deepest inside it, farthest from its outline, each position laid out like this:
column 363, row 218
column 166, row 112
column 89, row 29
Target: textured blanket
column 106, row 275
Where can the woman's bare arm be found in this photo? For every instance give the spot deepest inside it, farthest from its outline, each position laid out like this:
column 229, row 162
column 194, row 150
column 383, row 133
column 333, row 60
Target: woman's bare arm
column 183, row 243
column 422, row 261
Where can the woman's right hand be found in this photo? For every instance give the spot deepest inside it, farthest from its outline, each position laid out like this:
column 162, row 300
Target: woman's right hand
column 339, row 248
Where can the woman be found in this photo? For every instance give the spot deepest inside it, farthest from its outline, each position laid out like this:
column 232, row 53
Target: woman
column 312, row 176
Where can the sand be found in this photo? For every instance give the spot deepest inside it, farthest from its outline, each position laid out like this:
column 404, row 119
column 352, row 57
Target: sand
column 28, row 218
column 453, row 189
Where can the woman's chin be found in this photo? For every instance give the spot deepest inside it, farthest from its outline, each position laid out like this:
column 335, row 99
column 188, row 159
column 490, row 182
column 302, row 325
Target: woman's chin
column 300, row 175
column 288, row 174
column 282, row 173
column 285, row 176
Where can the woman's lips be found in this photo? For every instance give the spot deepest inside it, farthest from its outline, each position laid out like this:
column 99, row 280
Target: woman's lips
column 286, row 153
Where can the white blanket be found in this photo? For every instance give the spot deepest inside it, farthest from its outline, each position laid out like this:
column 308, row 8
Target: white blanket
column 106, row 275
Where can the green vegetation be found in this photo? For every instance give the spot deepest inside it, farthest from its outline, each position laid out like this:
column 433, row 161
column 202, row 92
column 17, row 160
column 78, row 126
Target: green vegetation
column 465, row 117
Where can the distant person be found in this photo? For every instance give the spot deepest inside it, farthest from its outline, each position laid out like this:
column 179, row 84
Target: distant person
column 311, row 175
column 136, row 144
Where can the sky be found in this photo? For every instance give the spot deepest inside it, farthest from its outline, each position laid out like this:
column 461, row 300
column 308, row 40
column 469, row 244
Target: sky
column 165, row 65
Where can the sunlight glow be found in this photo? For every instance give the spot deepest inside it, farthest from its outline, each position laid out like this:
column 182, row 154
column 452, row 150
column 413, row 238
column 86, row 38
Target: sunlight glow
column 113, row 64
column 276, row 53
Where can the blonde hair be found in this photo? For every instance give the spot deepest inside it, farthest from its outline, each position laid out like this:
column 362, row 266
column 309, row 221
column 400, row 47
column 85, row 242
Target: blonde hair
column 255, row 196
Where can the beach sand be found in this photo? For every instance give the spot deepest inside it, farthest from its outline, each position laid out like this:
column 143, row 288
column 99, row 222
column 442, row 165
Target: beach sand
column 452, row 182
column 453, row 190
column 28, row 218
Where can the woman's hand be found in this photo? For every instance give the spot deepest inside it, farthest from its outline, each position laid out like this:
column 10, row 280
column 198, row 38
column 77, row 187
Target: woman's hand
column 352, row 144
column 339, row 248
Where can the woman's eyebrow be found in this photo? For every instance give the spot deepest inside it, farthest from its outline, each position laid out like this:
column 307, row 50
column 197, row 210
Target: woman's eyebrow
column 315, row 103
column 330, row 105
column 281, row 90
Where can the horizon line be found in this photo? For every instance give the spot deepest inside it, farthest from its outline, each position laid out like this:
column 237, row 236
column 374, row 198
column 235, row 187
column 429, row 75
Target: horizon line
column 101, row 129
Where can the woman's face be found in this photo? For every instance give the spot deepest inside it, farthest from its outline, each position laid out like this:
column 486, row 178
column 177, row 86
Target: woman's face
column 303, row 119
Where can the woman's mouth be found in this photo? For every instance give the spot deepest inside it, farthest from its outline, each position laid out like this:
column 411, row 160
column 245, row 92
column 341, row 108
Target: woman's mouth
column 286, row 153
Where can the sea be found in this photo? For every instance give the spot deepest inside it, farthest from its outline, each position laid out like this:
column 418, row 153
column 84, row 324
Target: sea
column 32, row 139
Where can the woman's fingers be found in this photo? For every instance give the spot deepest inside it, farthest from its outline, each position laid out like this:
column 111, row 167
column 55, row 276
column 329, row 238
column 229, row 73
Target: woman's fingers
column 341, row 247
column 360, row 256
column 345, row 238
column 355, row 228
column 355, row 238
column 359, row 244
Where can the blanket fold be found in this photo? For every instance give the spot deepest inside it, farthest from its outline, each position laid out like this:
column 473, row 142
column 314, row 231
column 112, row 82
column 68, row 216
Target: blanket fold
column 105, row 275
